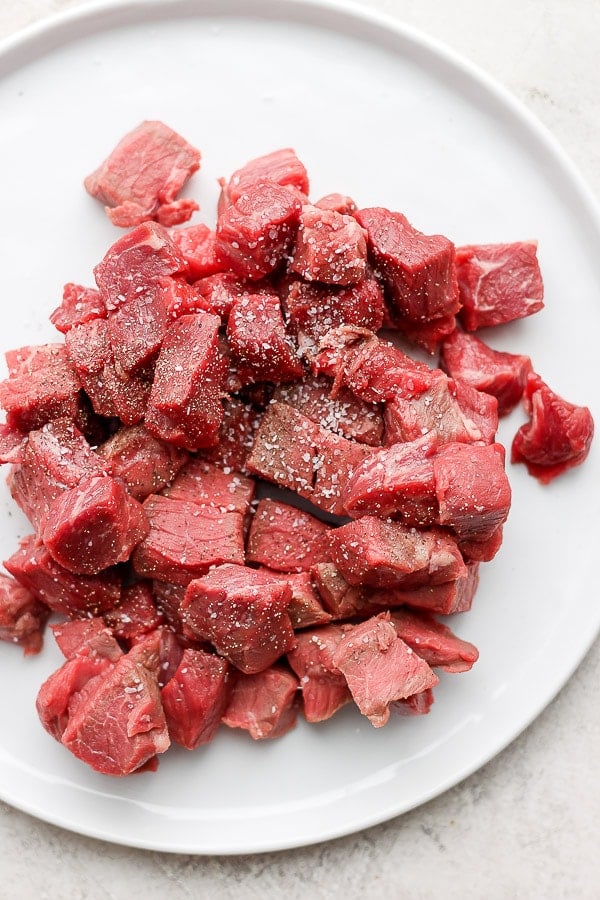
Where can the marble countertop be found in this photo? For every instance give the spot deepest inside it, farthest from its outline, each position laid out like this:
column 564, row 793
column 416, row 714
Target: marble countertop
column 525, row 825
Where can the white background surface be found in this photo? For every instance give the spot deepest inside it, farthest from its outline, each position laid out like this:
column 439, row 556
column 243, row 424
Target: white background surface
column 525, row 825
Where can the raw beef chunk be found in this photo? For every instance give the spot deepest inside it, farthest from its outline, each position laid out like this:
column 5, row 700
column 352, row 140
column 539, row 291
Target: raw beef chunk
column 345, row 414
column 143, row 175
column 305, row 608
column 205, row 484
column 243, row 613
column 195, row 697
column 434, row 642
column 86, row 637
column 93, row 526
column 185, row 406
column 324, row 688
column 55, row 459
column 197, row 244
column 12, row 444
column 418, row 269
column 140, row 257
column 63, row 592
column 380, row 668
column 111, row 392
column 338, row 203
column 136, row 329
column 256, row 232
column 281, row 166
column 429, row 334
column 503, row 375
column 384, row 553
column 41, row 386
column 109, row 715
column 285, row 538
column 294, row 452
column 263, row 703
column 472, row 489
column 498, row 283
column 558, row 435
column 79, row 305
column 136, row 614
column 142, row 462
column 343, row 600
column 314, row 309
column 330, row 247
column 22, row 616
column 186, row 539
column 415, row 705
column 220, row 291
column 258, row 340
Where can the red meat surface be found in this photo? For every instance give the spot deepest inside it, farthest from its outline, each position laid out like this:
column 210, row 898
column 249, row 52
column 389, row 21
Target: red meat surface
column 205, row 484
column 79, row 305
column 434, row 642
column 263, row 703
column 498, row 283
column 330, row 247
column 59, row 589
column 142, row 462
column 243, row 613
column 261, row 348
column 41, row 386
column 22, row 616
column 418, row 269
column 195, row 697
column 285, row 538
column 86, row 637
column 197, row 244
column 380, row 668
column 184, row 407
column 324, row 688
column 256, row 232
column 383, row 553
column 186, row 539
column 338, row 203
column 136, row 615
column 93, row 526
column 143, row 175
column 558, row 435
column 281, row 166
column 305, row 608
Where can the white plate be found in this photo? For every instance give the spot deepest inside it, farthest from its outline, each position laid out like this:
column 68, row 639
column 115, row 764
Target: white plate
column 385, row 115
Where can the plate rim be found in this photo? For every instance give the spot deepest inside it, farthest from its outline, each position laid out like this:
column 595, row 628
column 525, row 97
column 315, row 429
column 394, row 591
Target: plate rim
column 55, row 28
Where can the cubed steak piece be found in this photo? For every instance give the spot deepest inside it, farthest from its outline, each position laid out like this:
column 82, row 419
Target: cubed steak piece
column 136, row 615
column 65, row 593
column 345, row 414
column 142, row 462
column 256, row 232
column 41, row 386
column 285, row 538
column 418, row 269
column 137, row 327
column 22, row 616
column 428, row 335
column 498, row 283
column 220, row 291
column 197, row 244
column 415, row 705
column 397, row 480
column 330, row 247
column 281, row 166
column 503, row 375
column 314, row 309
column 383, row 553
column 305, row 608
column 195, row 697
column 558, row 435
column 184, row 407
column 380, row 668
column 338, row 203
column 109, row 715
column 236, row 435
column 93, row 526
column 263, row 704
column 12, row 444
column 142, row 176
column 294, row 452
column 243, row 613
column 472, row 489
column 79, row 305
column 262, row 350
column 205, row 484
column 137, row 259
column 86, row 637
column 434, row 642
column 324, row 688
column 341, row 599
column 111, row 391
column 55, row 459
column 185, row 539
